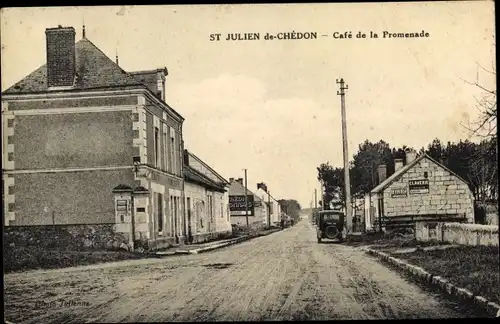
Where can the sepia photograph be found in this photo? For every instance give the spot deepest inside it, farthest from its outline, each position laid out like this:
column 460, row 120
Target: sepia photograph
column 249, row 162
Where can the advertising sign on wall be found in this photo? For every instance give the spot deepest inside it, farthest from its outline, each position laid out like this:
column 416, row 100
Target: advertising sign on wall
column 237, row 205
column 418, row 186
column 398, row 193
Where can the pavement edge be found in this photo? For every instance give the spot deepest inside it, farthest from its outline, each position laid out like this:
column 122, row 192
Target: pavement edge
column 217, row 245
column 441, row 283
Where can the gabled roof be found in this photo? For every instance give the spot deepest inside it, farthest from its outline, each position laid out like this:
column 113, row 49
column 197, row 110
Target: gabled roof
column 93, row 70
column 249, row 192
column 399, row 173
column 192, row 175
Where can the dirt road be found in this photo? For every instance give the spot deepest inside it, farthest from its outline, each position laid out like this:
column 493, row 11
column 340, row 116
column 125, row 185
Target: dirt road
column 283, row 276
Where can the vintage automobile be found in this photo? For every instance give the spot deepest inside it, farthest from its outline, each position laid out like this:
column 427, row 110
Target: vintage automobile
column 330, row 225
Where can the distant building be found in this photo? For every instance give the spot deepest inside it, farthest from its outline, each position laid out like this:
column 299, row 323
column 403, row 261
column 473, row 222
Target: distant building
column 257, row 211
column 79, row 126
column 272, row 206
column 207, row 201
column 421, row 189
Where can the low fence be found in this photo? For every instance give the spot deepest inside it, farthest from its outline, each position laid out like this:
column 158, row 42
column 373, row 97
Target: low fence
column 408, row 222
column 456, row 233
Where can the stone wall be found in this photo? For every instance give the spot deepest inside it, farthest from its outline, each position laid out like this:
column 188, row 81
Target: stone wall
column 206, row 237
column 65, row 237
column 455, row 233
column 448, row 195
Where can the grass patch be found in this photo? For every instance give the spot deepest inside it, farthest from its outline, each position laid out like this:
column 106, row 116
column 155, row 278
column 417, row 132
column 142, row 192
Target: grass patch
column 32, row 257
column 472, row 267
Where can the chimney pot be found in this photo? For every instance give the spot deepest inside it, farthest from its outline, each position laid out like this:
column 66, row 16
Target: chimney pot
column 60, row 56
column 231, row 179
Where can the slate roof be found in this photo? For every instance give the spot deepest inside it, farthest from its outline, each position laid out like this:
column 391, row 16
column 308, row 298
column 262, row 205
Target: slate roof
column 93, row 68
column 149, row 78
column 192, row 175
column 396, row 175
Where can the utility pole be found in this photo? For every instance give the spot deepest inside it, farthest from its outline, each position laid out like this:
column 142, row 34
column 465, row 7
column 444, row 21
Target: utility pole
column 347, row 181
column 323, row 194
column 315, row 199
column 246, row 198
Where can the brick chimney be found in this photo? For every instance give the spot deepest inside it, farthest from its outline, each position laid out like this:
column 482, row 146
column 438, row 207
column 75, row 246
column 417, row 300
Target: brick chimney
column 382, row 173
column 410, row 156
column 161, row 75
column 262, row 185
column 60, row 56
column 398, row 164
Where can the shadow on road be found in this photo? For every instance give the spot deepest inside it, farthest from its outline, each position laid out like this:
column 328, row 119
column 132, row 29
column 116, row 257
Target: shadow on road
column 218, row 265
column 330, row 242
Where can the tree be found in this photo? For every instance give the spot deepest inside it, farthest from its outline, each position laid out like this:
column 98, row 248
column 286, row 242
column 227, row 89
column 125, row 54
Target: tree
column 483, row 171
column 332, row 179
column 366, row 162
column 436, row 149
column 485, row 166
column 291, row 207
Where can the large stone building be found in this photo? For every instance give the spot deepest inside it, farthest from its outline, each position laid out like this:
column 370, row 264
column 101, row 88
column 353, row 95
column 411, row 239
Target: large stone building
column 207, row 201
column 421, row 189
column 77, row 127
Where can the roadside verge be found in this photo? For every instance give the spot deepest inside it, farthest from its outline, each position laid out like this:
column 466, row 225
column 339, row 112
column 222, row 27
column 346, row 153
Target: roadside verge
column 193, row 249
column 439, row 282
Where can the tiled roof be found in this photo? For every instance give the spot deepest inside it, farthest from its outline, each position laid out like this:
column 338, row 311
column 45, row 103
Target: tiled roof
column 93, row 68
column 192, row 175
column 396, row 175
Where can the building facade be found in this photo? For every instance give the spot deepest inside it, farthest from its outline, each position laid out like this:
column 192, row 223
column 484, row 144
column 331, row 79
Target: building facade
column 271, row 205
column 207, row 201
column 421, row 189
column 257, row 211
column 79, row 126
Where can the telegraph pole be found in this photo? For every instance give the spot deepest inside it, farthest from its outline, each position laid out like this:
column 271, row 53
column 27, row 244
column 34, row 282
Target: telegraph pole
column 315, row 199
column 347, row 181
column 246, row 198
column 323, row 192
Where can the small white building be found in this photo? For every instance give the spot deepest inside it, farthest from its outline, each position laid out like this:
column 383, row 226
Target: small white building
column 272, row 206
column 207, row 201
column 423, row 189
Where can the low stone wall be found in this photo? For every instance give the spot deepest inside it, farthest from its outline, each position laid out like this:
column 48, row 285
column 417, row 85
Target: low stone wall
column 158, row 244
column 456, row 233
column 205, row 237
column 65, row 237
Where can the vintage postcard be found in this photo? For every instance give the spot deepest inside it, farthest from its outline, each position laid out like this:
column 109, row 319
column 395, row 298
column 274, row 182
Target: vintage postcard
column 249, row 162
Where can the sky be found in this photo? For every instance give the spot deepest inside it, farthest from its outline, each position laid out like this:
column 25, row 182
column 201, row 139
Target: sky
column 271, row 106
